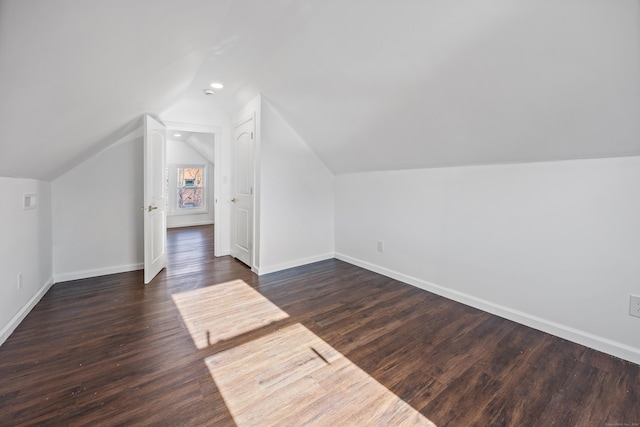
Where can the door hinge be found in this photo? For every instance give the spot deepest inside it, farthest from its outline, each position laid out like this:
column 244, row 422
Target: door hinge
column 251, row 135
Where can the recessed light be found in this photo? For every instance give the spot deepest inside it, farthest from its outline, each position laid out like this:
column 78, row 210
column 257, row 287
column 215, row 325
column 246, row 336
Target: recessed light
column 208, row 92
column 177, row 135
column 217, row 85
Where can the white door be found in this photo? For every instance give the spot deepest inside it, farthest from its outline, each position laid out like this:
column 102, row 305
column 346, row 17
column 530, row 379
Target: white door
column 242, row 192
column 155, row 219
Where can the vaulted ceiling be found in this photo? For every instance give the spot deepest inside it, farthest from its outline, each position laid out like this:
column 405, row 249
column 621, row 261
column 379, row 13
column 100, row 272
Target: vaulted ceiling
column 369, row 85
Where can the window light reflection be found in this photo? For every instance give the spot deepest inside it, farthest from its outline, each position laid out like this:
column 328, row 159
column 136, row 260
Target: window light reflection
column 288, row 376
column 221, row 312
column 292, row 377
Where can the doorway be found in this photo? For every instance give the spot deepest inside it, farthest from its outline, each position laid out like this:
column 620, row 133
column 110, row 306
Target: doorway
column 193, row 181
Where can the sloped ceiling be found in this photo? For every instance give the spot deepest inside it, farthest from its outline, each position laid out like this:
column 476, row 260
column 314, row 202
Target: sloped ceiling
column 201, row 142
column 368, row 85
column 76, row 75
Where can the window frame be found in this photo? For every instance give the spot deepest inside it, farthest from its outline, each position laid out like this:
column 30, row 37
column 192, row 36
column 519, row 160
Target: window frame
column 173, row 187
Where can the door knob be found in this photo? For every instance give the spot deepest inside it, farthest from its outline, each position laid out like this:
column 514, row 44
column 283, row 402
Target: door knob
column 152, row 208
column 234, row 200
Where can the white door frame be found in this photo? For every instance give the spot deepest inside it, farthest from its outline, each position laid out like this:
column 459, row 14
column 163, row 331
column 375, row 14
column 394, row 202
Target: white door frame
column 217, row 175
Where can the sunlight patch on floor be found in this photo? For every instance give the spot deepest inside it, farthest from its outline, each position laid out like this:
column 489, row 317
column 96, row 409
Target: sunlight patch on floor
column 292, row 377
column 224, row 311
column 285, row 376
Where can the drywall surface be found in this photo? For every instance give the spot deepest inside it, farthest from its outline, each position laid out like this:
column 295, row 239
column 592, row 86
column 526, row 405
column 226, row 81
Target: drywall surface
column 179, row 153
column 25, row 248
column 419, row 84
column 97, row 221
column 296, row 213
column 553, row 245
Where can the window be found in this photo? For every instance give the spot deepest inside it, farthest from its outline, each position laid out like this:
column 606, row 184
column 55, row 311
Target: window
column 191, row 187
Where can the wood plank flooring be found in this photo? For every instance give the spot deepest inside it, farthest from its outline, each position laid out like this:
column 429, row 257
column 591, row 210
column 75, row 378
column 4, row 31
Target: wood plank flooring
column 208, row 343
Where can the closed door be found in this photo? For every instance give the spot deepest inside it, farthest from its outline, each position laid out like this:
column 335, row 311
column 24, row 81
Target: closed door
column 242, row 192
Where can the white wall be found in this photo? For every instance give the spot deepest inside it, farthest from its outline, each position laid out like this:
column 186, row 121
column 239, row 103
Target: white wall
column 553, row 245
column 97, row 222
column 296, row 209
column 25, row 247
column 179, row 152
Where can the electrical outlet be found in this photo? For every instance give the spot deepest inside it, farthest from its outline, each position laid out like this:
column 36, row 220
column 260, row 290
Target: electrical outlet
column 380, row 246
column 19, row 280
column 634, row 305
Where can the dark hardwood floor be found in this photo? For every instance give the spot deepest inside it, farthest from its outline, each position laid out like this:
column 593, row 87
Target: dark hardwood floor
column 208, row 343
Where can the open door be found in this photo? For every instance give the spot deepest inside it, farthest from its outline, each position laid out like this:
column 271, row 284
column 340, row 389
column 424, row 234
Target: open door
column 242, row 192
column 155, row 216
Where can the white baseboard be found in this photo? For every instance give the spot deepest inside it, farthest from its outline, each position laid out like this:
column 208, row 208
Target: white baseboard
column 599, row 343
column 84, row 274
column 20, row 315
column 290, row 264
column 189, row 224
